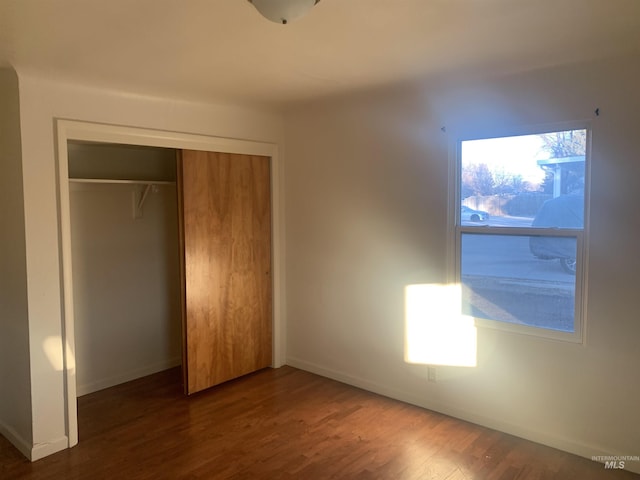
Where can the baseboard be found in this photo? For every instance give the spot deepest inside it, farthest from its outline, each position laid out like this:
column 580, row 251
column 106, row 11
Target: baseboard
column 33, row 452
column 123, row 377
column 543, row 438
column 41, row 450
column 20, row 443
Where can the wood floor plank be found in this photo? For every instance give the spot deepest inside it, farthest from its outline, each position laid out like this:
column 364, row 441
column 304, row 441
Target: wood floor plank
column 284, row 424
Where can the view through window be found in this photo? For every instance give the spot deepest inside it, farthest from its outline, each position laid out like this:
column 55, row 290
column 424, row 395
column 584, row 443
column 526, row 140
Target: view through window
column 520, row 229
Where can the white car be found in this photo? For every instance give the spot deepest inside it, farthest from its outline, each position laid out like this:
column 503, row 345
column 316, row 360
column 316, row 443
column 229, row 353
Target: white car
column 470, row 215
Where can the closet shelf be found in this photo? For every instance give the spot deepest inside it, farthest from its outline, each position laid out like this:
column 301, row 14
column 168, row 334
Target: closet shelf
column 124, row 182
column 139, row 195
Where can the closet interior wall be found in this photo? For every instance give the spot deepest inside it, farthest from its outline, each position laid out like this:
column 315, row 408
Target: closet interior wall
column 126, row 277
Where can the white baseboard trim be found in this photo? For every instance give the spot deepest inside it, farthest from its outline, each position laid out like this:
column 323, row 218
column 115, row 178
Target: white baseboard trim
column 20, row 443
column 33, row 452
column 543, row 438
column 41, row 450
column 123, row 377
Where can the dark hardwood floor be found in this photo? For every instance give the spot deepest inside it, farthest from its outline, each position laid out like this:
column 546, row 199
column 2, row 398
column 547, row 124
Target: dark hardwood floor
column 284, row 424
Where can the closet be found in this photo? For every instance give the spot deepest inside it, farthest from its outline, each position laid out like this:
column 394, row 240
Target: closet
column 125, row 255
column 171, row 255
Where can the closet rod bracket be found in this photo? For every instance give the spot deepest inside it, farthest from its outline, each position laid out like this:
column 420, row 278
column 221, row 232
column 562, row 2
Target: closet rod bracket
column 139, row 196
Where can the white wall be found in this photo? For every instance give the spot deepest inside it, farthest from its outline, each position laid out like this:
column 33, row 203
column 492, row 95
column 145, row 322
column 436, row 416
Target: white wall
column 126, row 280
column 15, row 399
column 367, row 215
column 41, row 102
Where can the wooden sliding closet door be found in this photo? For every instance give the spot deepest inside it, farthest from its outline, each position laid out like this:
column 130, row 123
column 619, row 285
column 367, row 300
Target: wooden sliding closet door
column 226, row 233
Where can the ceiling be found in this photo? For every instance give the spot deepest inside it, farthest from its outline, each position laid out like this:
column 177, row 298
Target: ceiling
column 224, row 51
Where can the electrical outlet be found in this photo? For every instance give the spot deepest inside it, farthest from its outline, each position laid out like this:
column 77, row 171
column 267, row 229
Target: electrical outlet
column 431, row 374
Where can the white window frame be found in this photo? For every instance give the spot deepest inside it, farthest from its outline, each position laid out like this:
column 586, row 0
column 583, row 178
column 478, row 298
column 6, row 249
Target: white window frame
column 456, row 229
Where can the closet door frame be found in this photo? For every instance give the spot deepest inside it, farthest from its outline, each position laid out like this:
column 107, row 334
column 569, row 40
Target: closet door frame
column 72, row 130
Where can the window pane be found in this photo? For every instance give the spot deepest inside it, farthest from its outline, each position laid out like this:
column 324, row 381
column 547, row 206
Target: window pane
column 519, row 279
column 524, row 181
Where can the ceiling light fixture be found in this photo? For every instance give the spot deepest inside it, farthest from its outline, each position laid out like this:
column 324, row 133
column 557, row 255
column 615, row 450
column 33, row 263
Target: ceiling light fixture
column 283, row 11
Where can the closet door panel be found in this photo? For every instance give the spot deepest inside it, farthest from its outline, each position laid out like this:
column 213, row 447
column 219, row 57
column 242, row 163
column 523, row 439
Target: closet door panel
column 226, row 228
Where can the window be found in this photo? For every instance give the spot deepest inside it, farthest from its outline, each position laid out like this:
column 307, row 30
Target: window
column 520, row 231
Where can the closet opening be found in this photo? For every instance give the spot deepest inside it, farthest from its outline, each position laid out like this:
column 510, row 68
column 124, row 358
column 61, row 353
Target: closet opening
column 126, row 269
column 120, row 186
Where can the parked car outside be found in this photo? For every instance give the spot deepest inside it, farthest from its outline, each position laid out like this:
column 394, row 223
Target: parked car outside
column 565, row 211
column 468, row 214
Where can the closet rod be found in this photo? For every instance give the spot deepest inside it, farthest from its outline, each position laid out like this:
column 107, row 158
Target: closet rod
column 138, row 197
column 124, row 182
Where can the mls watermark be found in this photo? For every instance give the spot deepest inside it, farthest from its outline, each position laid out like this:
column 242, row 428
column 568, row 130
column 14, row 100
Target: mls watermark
column 615, row 461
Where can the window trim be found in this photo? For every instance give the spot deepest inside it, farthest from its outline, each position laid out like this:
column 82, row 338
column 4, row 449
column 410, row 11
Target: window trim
column 456, row 229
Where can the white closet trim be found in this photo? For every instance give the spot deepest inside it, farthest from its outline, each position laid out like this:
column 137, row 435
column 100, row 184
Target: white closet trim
column 71, row 130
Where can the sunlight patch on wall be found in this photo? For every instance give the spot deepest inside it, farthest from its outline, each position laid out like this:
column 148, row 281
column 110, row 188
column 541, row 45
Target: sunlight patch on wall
column 436, row 332
column 52, row 347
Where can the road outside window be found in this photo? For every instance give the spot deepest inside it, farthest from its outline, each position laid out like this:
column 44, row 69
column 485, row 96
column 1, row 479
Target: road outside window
column 520, row 228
